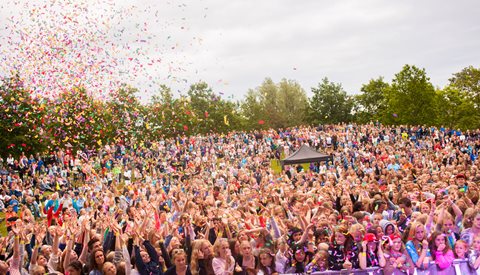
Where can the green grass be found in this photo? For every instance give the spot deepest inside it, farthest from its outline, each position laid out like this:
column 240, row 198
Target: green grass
column 3, row 227
column 277, row 166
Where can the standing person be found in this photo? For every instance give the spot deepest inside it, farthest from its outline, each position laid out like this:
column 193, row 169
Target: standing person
column 474, row 255
column 442, row 254
column 460, row 250
column 417, row 246
column 405, row 215
column 97, row 259
column 396, row 257
column 266, row 264
column 223, row 262
column 246, row 262
column 180, row 266
column 342, row 252
column 470, row 233
column 201, row 259
column 372, row 254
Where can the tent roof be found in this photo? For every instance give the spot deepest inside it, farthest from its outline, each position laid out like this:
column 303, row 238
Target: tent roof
column 305, row 154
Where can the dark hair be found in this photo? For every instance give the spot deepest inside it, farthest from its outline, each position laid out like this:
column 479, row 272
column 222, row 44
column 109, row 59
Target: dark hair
column 357, row 206
column 264, row 268
column 91, row 242
column 76, row 265
column 92, row 262
column 405, row 201
column 433, row 247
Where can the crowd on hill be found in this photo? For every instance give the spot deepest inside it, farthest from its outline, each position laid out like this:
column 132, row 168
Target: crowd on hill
column 397, row 198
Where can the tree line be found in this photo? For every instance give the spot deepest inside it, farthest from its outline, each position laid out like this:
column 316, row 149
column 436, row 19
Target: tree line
column 78, row 119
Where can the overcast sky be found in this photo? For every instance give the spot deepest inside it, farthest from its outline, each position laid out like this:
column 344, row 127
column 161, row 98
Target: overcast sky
column 233, row 45
column 349, row 42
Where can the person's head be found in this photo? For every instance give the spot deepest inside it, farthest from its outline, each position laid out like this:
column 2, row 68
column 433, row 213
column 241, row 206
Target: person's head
column 425, row 208
column 221, row 249
column 246, row 249
column 438, row 239
column 460, row 179
column 476, row 219
column 448, row 223
column 299, row 253
column 379, row 231
column 42, row 260
column 389, row 229
column 242, row 236
column 74, row 268
column 379, row 206
column 357, row 231
column 371, row 240
column 45, row 251
column 205, row 247
column 174, row 244
column 395, row 242
column 201, row 249
column 97, row 258
column 417, row 232
column 341, row 236
column 38, row 270
column 295, row 234
column 476, row 243
column 145, row 256
column 377, row 217
column 179, row 258
column 109, row 269
column 460, row 249
column 94, row 244
column 73, row 255
column 267, row 258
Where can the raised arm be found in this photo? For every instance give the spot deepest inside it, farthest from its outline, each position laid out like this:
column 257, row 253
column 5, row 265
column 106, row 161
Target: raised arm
column 86, row 238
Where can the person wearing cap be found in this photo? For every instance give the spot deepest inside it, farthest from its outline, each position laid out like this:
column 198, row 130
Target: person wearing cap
column 372, row 254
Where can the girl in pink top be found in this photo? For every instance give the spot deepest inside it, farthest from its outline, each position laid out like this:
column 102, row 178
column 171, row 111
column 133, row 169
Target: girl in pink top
column 440, row 251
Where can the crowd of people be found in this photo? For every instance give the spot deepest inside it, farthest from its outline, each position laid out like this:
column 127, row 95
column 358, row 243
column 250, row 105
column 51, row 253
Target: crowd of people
column 397, row 198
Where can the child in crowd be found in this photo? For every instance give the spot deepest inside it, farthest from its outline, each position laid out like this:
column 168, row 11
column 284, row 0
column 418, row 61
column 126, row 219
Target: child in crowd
column 441, row 252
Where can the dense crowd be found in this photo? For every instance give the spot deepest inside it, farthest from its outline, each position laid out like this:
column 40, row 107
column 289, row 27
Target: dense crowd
column 398, row 198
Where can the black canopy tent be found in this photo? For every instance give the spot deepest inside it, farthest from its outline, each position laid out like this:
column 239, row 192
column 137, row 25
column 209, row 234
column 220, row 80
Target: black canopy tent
column 305, row 154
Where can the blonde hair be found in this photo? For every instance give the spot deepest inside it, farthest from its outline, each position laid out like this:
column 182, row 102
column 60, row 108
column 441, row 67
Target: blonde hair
column 413, row 230
column 217, row 247
column 476, row 237
column 356, row 228
column 178, row 252
column 422, row 219
column 196, row 246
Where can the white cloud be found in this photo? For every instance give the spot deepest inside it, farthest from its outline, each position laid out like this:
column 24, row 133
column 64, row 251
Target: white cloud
column 234, row 45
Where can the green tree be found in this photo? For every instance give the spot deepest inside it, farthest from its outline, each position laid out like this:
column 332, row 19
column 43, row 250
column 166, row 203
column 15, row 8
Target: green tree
column 252, row 110
column 73, row 118
column 22, row 119
column 330, row 104
column 411, row 98
column 292, row 103
column 456, row 110
column 125, row 115
column 161, row 120
column 268, row 98
column 277, row 105
column 467, row 82
column 371, row 103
